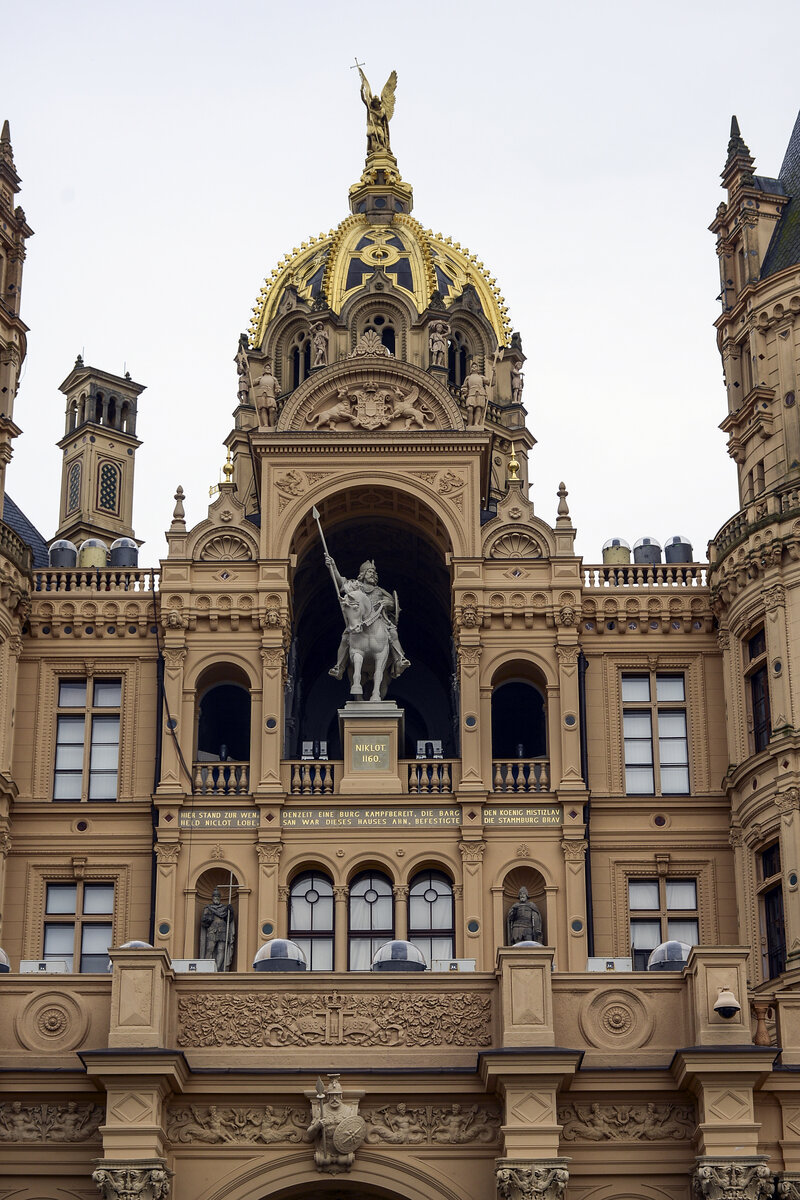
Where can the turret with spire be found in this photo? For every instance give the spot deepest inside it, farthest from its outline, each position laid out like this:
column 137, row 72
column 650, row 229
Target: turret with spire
column 14, row 230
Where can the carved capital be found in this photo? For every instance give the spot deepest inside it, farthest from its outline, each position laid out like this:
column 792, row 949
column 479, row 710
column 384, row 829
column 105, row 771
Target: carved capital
column 174, row 657
column 283, row 893
column 341, row 893
column 537, row 1179
column 133, row 1181
column 723, row 639
column 788, row 801
column 567, row 655
column 5, row 843
column 774, row 597
column 733, row 1179
column 469, row 656
column 736, row 836
column 167, row 853
column 400, row 892
column 789, row 1185
column 273, row 657
column 574, row 849
column 472, row 852
column 269, row 853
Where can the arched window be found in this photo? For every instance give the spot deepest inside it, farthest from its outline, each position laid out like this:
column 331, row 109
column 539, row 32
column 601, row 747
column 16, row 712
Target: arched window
column 384, row 328
column 431, row 917
column 72, row 415
column 459, row 356
column 98, row 409
column 311, row 919
column 124, row 417
column 222, row 762
column 73, row 487
column 300, row 358
column 108, row 487
column 519, row 733
column 371, row 917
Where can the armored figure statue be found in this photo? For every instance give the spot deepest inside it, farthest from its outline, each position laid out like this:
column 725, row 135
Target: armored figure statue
column 266, row 390
column 380, row 110
column 475, row 391
column 365, row 606
column 336, row 1128
column 218, row 932
column 524, row 920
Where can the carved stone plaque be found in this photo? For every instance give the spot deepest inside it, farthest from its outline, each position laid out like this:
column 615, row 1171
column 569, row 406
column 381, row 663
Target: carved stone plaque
column 369, row 753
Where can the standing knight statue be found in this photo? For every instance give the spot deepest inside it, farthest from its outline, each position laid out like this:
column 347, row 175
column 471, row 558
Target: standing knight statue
column 218, row 932
column 524, row 920
column 336, row 1128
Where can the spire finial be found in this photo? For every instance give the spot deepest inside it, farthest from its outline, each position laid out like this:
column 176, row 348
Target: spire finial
column 5, row 136
column 513, row 466
column 737, row 147
column 562, row 493
column 227, row 469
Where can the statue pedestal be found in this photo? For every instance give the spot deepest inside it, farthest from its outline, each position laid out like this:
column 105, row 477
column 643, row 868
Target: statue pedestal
column 372, row 733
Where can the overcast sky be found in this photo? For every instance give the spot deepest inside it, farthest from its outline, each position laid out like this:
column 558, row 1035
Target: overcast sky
column 171, row 152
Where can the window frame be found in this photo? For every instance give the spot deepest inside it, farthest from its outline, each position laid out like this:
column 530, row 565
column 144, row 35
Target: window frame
column 314, row 937
column 91, row 716
column 655, row 709
column 430, row 933
column 79, row 921
column 770, row 889
column 368, row 934
column 756, row 674
column 662, row 914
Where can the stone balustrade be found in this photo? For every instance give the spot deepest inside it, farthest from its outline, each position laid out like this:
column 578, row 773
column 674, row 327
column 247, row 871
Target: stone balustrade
column 221, row 778
column 109, row 579
column 645, row 575
column 521, row 775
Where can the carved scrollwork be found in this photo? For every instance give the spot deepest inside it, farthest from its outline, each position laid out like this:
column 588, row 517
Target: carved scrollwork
column 269, row 853
column 452, row 1125
column 255, row 1123
column 574, row 850
column 521, row 1179
column 472, row 852
column 788, row 801
column 132, row 1181
column 167, row 853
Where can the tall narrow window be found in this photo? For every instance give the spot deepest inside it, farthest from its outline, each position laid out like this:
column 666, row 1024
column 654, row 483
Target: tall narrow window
column 431, row 921
column 87, row 739
column 459, row 355
column 108, row 487
column 78, row 924
column 311, row 919
column 773, row 928
column 656, row 743
column 661, row 910
column 371, row 917
column 758, row 690
column 73, row 487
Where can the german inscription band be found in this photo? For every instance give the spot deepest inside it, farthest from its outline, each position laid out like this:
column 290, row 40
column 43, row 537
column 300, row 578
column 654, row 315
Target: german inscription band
column 433, row 816
column 219, row 818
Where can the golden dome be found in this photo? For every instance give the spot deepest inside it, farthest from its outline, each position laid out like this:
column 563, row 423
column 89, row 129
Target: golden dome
column 330, row 269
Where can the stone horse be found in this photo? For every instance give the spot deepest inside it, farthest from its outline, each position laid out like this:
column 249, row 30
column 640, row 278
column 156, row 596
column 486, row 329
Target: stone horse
column 368, row 638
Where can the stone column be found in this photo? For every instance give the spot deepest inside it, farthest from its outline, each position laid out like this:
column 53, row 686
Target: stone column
column 282, row 924
column 5, row 849
column 341, row 895
column 788, row 805
column 400, row 912
column 532, row 1179
column 575, row 875
column 472, row 853
column 458, row 916
column 571, row 778
column 733, row 1178
column 173, row 777
column 269, row 854
column 273, row 658
column 472, row 717
column 777, row 657
column 167, row 854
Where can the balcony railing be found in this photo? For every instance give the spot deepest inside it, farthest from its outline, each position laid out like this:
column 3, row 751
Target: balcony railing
column 429, row 777
column 13, row 547
column 313, row 777
column 109, row 579
column 521, row 775
column 641, row 575
column 221, row 778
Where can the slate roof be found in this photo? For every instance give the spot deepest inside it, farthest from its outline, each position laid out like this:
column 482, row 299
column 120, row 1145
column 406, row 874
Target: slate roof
column 784, row 248
column 16, row 519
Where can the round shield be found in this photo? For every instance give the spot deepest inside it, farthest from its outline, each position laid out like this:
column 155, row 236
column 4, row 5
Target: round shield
column 349, row 1134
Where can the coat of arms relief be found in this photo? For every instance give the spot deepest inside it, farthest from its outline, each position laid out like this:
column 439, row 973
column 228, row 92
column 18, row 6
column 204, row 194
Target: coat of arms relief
column 373, row 406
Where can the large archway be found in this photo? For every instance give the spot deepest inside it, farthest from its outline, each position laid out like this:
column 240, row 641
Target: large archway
column 408, row 544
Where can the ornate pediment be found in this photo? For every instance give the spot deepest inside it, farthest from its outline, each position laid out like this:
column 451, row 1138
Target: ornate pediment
column 369, row 393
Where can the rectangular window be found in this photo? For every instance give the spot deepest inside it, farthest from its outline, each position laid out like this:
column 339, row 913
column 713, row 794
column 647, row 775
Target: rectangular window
column 758, row 690
column 655, row 765
column 78, row 925
column 773, row 928
column 87, row 739
column 661, row 910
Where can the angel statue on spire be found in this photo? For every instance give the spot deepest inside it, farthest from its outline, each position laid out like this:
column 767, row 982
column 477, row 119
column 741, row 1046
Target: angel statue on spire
column 380, row 110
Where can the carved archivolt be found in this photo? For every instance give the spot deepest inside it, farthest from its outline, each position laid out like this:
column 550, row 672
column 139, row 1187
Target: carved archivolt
column 515, row 544
column 225, row 547
column 328, row 1019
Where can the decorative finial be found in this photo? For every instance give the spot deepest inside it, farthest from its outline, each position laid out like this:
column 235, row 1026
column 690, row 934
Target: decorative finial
column 79, row 360
column 227, row 469
column 178, row 513
column 563, row 507
column 5, row 136
column 737, row 147
column 513, row 466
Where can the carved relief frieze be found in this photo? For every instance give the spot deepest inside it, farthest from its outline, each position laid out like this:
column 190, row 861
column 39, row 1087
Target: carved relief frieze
column 450, row 1125
column 625, row 1122
column 70, row 1122
column 254, row 1123
column 331, row 1019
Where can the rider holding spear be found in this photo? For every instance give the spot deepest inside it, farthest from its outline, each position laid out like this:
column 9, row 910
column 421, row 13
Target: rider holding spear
column 380, row 601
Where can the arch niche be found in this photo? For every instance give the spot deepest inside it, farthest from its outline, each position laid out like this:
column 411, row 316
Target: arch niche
column 408, row 543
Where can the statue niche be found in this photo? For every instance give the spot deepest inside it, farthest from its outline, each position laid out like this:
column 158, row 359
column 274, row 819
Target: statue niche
column 217, row 917
column 523, row 907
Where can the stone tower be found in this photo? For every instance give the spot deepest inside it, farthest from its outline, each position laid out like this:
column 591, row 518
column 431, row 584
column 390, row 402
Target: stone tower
column 14, row 230
column 755, row 556
column 99, row 447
